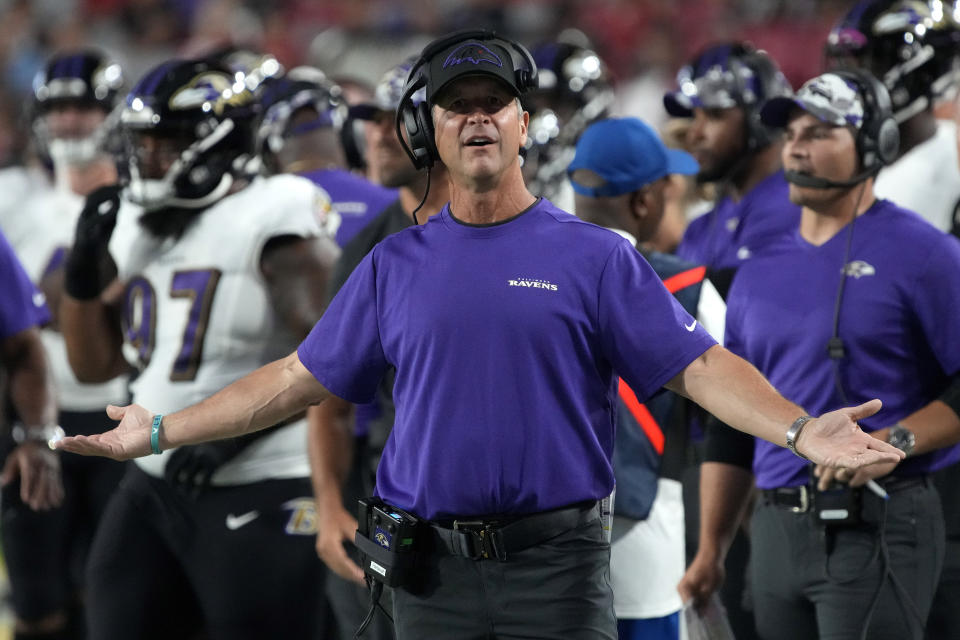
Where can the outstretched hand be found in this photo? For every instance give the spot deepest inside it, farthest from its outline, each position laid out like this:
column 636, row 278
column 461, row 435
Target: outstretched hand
column 130, row 438
column 335, row 527
column 835, row 440
column 38, row 468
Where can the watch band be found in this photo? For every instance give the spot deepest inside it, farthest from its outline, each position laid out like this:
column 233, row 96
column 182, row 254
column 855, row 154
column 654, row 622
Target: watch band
column 794, row 432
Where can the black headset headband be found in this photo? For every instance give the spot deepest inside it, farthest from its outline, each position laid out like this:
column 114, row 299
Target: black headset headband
column 878, row 140
column 418, row 120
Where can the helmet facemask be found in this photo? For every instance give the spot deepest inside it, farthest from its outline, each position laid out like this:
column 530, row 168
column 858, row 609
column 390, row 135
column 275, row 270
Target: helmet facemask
column 186, row 140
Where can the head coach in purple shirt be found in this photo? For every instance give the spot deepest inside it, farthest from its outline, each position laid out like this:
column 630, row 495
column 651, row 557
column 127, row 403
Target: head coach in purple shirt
column 508, row 322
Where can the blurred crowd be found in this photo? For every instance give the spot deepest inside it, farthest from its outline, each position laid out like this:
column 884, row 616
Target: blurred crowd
column 643, row 41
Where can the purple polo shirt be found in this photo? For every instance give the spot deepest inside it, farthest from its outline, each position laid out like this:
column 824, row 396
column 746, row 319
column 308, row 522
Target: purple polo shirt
column 21, row 305
column 355, row 198
column 732, row 232
column 901, row 290
column 507, row 340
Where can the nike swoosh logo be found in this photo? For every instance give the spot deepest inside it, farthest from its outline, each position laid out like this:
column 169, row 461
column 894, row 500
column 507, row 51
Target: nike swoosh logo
column 235, row 522
column 691, row 326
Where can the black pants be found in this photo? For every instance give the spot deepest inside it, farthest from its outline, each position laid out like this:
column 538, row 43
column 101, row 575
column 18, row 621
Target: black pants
column 237, row 562
column 811, row 582
column 45, row 551
column 349, row 601
column 944, row 621
column 557, row 589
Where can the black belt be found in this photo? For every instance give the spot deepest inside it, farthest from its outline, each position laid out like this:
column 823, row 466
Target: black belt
column 497, row 537
column 796, row 499
column 894, row 484
column 800, row 499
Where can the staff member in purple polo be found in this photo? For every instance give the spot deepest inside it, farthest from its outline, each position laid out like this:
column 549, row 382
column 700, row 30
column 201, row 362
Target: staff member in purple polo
column 872, row 288
column 30, row 466
column 508, row 322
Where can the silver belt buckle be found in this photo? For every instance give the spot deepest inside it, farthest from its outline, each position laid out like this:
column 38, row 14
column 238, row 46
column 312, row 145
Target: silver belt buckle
column 804, row 500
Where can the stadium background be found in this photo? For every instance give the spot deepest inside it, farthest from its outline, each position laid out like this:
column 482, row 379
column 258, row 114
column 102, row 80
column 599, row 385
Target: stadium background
column 642, row 41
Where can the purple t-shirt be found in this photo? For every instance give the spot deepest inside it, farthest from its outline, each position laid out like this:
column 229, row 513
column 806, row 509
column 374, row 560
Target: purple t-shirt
column 902, row 288
column 21, row 305
column 507, row 340
column 355, row 198
column 734, row 231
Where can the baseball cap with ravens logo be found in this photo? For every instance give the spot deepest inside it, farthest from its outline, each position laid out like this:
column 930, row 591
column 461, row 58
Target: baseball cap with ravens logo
column 471, row 58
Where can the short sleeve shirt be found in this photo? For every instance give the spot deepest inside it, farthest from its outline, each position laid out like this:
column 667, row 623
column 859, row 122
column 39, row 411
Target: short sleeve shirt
column 507, row 340
column 900, row 291
column 733, row 232
column 21, row 305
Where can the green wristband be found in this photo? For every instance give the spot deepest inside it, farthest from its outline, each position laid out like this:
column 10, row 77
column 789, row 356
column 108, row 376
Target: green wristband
column 155, row 434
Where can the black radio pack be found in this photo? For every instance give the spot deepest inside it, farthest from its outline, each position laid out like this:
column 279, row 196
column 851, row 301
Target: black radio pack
column 840, row 504
column 387, row 540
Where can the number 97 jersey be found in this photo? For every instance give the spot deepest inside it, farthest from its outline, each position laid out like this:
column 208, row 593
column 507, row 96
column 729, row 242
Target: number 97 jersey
column 197, row 314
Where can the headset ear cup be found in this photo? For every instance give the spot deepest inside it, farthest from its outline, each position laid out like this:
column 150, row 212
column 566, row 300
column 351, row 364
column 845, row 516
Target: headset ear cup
column 888, row 141
column 429, row 143
column 353, row 144
column 879, row 139
column 419, row 126
column 758, row 134
column 414, row 135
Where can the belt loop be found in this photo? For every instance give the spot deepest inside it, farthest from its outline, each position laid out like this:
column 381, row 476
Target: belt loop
column 465, row 543
column 496, row 545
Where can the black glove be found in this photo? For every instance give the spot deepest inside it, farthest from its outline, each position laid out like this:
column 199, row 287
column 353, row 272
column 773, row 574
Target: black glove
column 191, row 467
column 82, row 279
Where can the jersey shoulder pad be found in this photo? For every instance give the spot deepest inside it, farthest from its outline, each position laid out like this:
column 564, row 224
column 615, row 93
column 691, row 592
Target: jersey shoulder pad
column 286, row 204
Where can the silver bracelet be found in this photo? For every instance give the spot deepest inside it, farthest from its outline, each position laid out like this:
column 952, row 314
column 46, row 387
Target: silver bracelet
column 46, row 433
column 794, row 432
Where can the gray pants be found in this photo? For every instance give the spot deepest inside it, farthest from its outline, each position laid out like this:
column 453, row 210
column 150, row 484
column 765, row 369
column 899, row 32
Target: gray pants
column 811, row 582
column 557, row 589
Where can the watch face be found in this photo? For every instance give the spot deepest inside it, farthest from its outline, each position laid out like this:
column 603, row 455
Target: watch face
column 902, row 438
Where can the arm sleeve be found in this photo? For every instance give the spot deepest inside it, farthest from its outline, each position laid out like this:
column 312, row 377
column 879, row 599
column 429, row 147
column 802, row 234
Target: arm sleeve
column 645, row 333
column 21, row 305
column 343, row 351
column 724, row 443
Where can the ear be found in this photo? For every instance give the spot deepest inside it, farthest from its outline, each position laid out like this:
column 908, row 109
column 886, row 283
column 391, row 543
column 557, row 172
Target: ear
column 638, row 204
column 524, row 121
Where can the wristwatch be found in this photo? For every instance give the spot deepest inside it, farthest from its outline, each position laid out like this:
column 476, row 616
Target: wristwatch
column 793, row 433
column 48, row 433
column 902, row 438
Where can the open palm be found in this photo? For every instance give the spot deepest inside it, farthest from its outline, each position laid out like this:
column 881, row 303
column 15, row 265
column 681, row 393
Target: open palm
column 835, row 440
column 130, row 438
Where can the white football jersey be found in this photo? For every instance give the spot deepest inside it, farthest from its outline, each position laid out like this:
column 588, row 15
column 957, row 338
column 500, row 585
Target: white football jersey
column 197, row 313
column 927, row 178
column 16, row 185
column 647, row 558
column 41, row 231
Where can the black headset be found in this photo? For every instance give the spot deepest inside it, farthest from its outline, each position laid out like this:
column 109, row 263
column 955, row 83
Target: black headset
column 878, row 139
column 352, row 143
column 418, row 119
column 772, row 84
